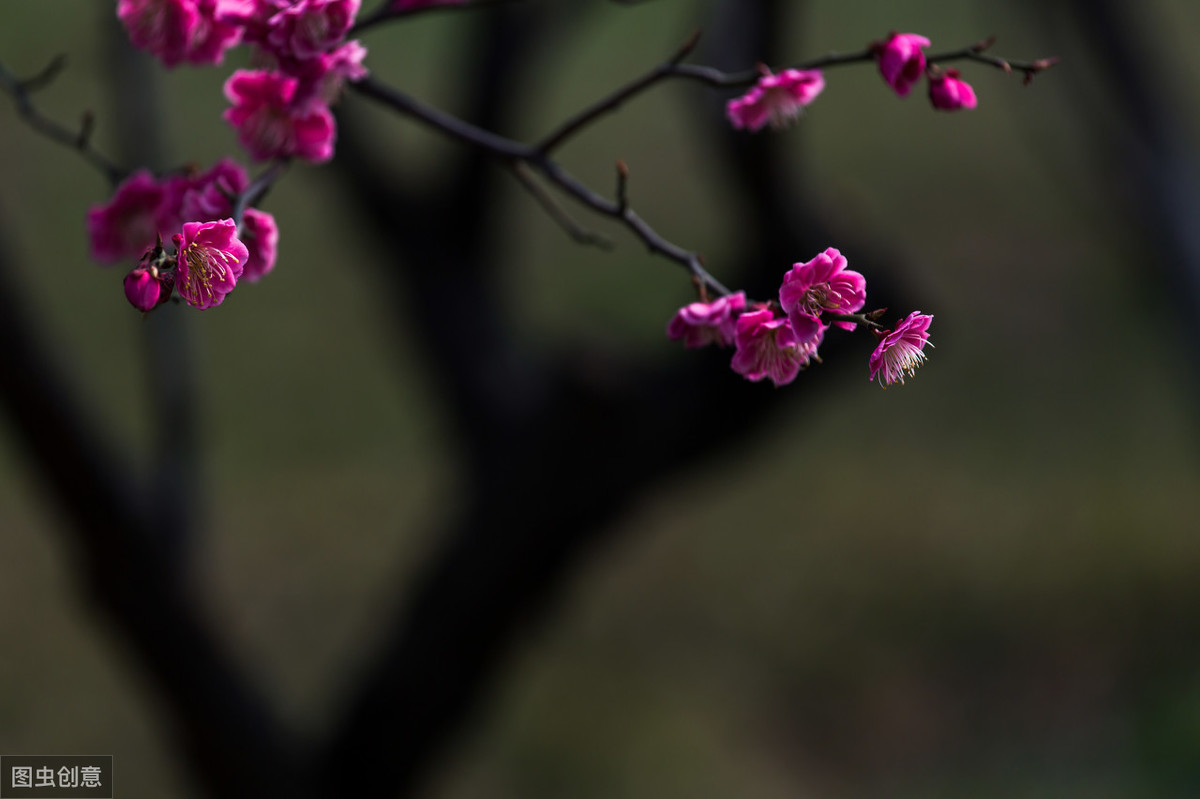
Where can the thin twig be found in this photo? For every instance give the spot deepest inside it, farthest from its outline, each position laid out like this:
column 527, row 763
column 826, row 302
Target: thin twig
column 975, row 53
column 79, row 140
column 613, row 101
column 577, row 232
column 258, row 189
column 512, row 151
column 622, row 186
column 537, row 156
column 386, row 12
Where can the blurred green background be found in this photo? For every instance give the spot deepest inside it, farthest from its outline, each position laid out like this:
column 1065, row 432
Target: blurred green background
column 983, row 583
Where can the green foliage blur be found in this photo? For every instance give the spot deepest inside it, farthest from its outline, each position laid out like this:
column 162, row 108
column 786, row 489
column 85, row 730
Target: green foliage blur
column 983, row 583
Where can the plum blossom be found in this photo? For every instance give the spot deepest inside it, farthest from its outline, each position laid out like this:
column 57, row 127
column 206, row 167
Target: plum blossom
column 267, row 122
column 209, row 196
column 212, row 36
column 306, row 29
column 767, row 347
column 261, row 237
column 209, row 261
column 179, row 30
column 775, row 99
column 901, row 351
column 822, row 284
column 901, row 60
column 321, row 78
column 947, row 92
column 703, row 323
column 126, row 226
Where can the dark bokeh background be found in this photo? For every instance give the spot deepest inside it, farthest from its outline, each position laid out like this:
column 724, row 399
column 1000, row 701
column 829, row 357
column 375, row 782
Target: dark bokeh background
column 982, row 583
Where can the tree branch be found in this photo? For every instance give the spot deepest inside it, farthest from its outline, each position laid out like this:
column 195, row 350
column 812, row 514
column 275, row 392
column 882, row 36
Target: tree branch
column 79, row 141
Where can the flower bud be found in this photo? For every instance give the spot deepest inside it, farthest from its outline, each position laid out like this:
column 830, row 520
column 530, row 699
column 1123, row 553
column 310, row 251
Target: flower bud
column 146, row 288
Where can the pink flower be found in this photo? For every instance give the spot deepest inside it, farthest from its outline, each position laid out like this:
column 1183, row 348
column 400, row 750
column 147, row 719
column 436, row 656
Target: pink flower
column 305, row 29
column 901, row 351
column 251, row 16
column 209, row 261
column 261, row 237
column 179, row 30
column 321, row 78
column 127, row 226
column 776, row 99
column 269, row 125
column 163, row 27
column 209, row 195
column 767, row 347
column 901, row 60
column 212, row 36
column 822, row 284
column 948, row 93
column 703, row 323
column 170, row 212
column 146, row 288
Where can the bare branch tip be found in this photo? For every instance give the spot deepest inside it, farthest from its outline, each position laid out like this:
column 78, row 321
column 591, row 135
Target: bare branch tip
column 687, row 48
column 86, row 125
column 984, row 44
column 48, row 74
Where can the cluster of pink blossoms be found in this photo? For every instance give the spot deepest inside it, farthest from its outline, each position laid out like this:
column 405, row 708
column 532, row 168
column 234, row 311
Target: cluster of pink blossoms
column 777, row 340
column 279, row 113
column 145, row 210
column 779, row 99
column 284, row 111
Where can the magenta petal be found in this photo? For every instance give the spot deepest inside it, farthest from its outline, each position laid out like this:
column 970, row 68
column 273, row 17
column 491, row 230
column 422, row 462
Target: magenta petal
column 775, row 99
column 768, row 348
column 703, row 323
column 209, row 262
column 901, row 351
column 126, row 227
column 902, row 61
column 261, row 237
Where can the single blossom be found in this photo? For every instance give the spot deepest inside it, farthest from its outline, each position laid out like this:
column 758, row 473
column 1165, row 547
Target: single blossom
column 209, row 196
column 209, row 261
column 261, row 237
column 775, row 99
column 126, row 226
column 767, row 347
column 212, row 35
column 948, row 93
column 306, row 29
column 822, row 284
column 703, row 323
column 251, row 17
column 179, row 30
column 901, row 60
column 268, row 123
column 320, row 79
column 901, row 351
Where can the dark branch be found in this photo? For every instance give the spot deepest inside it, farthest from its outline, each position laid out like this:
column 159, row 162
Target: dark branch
column 387, row 13
column 577, row 232
column 79, row 141
column 613, row 101
column 537, row 156
column 512, row 151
